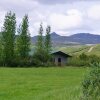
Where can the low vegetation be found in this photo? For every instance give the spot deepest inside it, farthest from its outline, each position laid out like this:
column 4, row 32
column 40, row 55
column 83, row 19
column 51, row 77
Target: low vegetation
column 41, row 83
column 83, row 60
column 91, row 83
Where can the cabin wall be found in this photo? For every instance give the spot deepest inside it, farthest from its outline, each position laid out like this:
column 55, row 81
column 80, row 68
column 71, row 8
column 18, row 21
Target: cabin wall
column 63, row 60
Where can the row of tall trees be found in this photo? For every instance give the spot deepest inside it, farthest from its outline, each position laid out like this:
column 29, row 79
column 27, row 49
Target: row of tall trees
column 15, row 49
column 43, row 47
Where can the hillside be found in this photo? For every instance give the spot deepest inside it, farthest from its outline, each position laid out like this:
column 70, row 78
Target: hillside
column 76, row 50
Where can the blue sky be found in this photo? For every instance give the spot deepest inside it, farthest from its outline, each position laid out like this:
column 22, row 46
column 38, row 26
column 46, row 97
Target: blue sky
column 66, row 17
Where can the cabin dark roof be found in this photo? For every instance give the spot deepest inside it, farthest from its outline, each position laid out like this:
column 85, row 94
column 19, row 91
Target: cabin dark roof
column 60, row 53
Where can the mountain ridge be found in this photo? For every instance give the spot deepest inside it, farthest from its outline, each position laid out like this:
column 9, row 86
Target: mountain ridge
column 78, row 38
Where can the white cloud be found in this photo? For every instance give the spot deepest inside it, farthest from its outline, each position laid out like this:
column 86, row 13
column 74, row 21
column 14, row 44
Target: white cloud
column 72, row 19
column 63, row 16
column 94, row 12
column 2, row 14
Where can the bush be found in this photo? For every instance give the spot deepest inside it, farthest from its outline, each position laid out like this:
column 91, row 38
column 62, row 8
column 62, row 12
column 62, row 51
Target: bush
column 93, row 59
column 83, row 60
column 91, row 83
column 42, row 59
column 77, row 61
column 22, row 62
column 83, row 56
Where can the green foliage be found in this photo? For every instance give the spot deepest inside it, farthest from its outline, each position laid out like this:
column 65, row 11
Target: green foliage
column 39, row 54
column 1, row 50
column 76, row 61
column 91, row 83
column 39, row 58
column 42, row 54
column 11, row 54
column 48, row 45
column 94, row 58
column 23, row 39
column 83, row 56
column 23, row 44
column 15, row 50
column 40, row 41
column 82, row 60
column 8, row 37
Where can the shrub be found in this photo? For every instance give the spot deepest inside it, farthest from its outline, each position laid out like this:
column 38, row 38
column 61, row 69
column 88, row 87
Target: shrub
column 83, row 56
column 94, row 58
column 77, row 61
column 42, row 58
column 22, row 62
column 91, row 83
column 83, row 60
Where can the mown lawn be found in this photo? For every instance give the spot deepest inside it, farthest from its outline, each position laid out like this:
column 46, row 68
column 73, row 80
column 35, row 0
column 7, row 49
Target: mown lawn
column 41, row 83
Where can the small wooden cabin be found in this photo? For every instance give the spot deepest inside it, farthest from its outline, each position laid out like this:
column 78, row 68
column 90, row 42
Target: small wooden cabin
column 60, row 58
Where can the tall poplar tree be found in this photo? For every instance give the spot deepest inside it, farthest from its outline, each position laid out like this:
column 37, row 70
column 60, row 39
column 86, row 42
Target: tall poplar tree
column 23, row 39
column 43, row 47
column 40, row 42
column 8, row 35
column 39, row 55
column 48, row 45
column 1, row 50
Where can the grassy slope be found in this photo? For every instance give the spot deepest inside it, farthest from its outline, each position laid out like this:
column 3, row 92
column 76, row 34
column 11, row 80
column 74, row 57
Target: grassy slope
column 96, row 50
column 76, row 50
column 40, row 83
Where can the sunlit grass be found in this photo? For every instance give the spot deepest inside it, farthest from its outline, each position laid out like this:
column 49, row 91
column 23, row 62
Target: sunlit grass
column 40, row 83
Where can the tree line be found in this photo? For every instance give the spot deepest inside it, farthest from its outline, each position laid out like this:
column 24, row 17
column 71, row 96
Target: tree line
column 15, row 49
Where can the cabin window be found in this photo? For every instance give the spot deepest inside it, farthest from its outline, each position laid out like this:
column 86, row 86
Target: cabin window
column 59, row 59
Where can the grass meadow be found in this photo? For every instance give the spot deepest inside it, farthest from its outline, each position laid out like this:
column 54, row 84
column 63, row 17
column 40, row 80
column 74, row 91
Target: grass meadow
column 41, row 83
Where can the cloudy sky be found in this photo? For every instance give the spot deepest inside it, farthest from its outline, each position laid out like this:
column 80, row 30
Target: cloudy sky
column 66, row 17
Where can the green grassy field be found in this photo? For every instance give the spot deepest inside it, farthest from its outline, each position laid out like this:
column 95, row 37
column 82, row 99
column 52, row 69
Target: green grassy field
column 41, row 83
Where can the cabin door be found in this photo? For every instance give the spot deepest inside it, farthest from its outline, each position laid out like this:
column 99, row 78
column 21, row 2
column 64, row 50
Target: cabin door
column 59, row 61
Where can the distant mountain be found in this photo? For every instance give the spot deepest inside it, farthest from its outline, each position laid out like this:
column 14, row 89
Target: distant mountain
column 85, row 38
column 54, row 35
column 79, row 38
